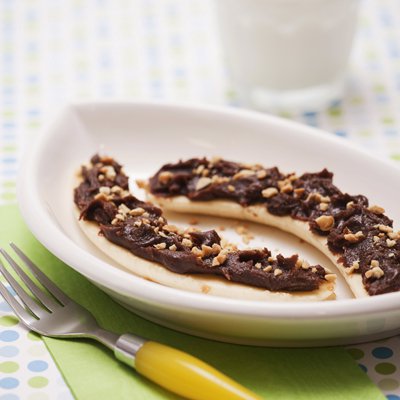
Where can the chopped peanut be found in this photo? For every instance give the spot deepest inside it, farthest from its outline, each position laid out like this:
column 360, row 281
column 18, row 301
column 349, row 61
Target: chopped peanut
column 269, row 192
column 325, row 222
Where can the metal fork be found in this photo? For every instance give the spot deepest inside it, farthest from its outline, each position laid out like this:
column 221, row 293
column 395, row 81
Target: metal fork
column 57, row 315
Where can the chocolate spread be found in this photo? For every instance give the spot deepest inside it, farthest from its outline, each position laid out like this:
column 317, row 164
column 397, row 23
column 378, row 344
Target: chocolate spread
column 362, row 237
column 103, row 197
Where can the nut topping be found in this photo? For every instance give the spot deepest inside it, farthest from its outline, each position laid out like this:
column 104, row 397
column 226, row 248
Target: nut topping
column 288, row 188
column 165, row 176
column 203, row 182
column 354, row 237
column 244, row 173
column 123, row 209
column 299, row 192
column 385, row 228
column 104, row 190
column 390, row 243
column 354, row 266
column 187, row 242
column 199, row 169
column 314, row 196
column 261, row 174
column 323, row 206
column 374, row 263
column 207, row 250
column 330, row 277
column 100, row 196
column 393, row 235
column 197, row 252
column 109, row 172
column 305, row 265
column 170, row 228
column 376, row 210
column 137, row 211
column 219, row 259
column 269, row 192
column 325, row 222
column 375, row 272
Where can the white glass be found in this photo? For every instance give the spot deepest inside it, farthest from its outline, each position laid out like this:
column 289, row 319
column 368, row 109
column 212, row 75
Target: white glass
column 287, row 54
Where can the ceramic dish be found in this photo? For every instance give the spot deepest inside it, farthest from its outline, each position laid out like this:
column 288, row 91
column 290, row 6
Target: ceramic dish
column 143, row 137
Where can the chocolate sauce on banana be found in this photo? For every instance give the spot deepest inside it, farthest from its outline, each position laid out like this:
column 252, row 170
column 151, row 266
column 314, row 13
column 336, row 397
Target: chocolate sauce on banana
column 103, row 197
column 361, row 237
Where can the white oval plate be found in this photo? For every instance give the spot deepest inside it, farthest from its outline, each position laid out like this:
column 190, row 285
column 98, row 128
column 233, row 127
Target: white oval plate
column 144, row 136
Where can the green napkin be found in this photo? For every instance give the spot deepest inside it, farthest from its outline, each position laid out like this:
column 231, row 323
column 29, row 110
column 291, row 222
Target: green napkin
column 92, row 372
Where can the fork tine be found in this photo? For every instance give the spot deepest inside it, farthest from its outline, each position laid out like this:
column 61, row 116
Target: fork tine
column 26, row 299
column 42, row 278
column 46, row 300
column 21, row 313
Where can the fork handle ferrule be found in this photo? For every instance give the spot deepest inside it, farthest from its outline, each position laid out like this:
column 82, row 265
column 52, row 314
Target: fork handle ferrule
column 126, row 347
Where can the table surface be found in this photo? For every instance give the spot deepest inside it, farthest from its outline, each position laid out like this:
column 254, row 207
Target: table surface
column 54, row 52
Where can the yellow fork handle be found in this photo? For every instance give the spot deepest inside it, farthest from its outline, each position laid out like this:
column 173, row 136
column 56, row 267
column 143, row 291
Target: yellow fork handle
column 186, row 375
